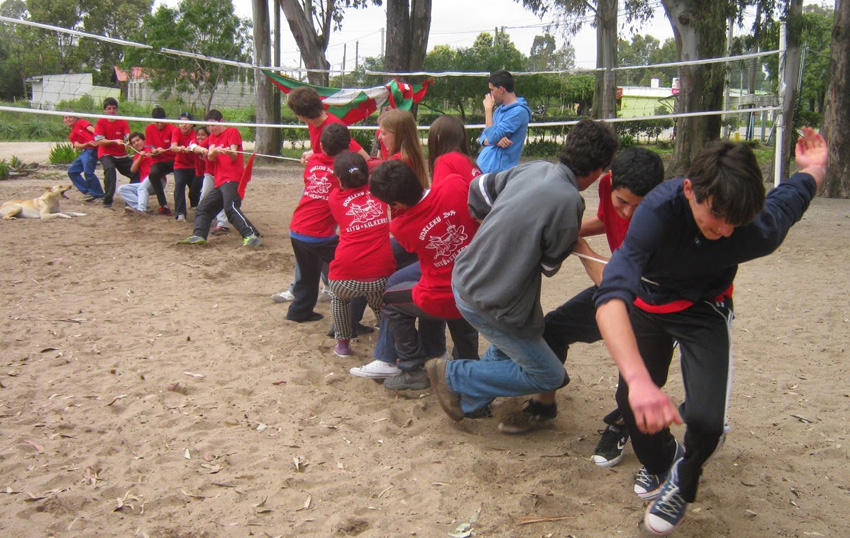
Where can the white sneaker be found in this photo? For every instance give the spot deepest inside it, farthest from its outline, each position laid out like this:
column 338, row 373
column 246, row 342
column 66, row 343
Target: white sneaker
column 283, row 296
column 375, row 370
column 325, row 296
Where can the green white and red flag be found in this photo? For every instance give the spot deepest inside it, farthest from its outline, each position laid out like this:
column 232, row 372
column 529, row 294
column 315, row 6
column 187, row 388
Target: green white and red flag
column 354, row 104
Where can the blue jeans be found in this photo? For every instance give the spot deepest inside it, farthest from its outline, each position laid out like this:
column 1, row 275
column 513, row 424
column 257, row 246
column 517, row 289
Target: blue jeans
column 511, row 366
column 85, row 163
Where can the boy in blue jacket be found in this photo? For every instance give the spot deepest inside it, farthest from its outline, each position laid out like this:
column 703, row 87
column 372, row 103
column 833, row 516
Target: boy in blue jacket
column 506, row 117
column 671, row 280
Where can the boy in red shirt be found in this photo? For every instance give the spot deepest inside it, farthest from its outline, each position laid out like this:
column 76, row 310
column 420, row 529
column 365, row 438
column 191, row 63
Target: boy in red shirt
column 111, row 137
column 224, row 157
column 159, row 138
column 82, row 138
column 634, row 173
column 308, row 107
column 312, row 230
column 436, row 225
column 136, row 195
column 184, row 164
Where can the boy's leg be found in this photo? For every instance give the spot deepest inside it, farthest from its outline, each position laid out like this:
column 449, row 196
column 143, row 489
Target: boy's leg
column 465, row 339
column 109, row 178
column 310, row 257
column 75, row 173
column 209, row 206
column 182, row 179
column 89, row 157
column 143, row 193
column 158, row 173
column 573, row 321
column 195, row 190
column 124, row 165
column 402, row 313
column 233, row 209
column 130, row 194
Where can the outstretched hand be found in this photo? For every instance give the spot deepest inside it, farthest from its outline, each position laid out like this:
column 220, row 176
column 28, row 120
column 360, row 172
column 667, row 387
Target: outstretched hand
column 812, row 154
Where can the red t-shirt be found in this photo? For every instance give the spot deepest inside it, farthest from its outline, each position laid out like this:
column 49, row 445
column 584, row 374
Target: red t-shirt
column 80, row 133
column 155, row 138
column 316, row 135
column 615, row 226
column 145, row 166
column 185, row 160
column 454, row 162
column 437, row 229
column 224, row 168
column 364, row 251
column 313, row 216
column 111, row 130
column 200, row 165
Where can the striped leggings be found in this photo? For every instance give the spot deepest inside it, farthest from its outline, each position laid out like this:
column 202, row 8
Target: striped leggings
column 342, row 291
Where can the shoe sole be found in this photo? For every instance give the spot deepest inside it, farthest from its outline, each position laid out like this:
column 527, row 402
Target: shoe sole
column 650, row 495
column 449, row 401
column 376, row 377
column 515, row 430
column 648, row 525
column 341, row 356
column 600, row 461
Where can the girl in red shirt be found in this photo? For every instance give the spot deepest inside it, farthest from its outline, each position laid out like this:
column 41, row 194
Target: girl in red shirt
column 363, row 259
column 448, row 150
column 398, row 132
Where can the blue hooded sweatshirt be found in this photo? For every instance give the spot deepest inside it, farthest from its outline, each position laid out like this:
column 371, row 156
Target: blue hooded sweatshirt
column 508, row 121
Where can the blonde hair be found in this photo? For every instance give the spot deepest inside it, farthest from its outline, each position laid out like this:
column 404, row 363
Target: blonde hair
column 403, row 125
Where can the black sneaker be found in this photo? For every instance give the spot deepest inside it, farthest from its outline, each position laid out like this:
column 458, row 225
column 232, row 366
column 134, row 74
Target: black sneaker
column 609, row 449
column 410, row 380
column 533, row 416
column 647, row 486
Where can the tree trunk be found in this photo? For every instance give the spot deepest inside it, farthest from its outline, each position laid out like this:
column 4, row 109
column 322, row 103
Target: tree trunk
column 794, row 32
column 408, row 26
column 267, row 139
column 606, row 57
column 699, row 27
column 311, row 45
column 837, row 110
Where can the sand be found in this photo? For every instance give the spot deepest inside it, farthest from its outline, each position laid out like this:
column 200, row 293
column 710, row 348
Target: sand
column 156, row 390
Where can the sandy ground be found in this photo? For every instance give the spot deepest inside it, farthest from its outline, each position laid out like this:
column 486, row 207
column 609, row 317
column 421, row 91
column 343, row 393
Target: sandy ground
column 152, row 390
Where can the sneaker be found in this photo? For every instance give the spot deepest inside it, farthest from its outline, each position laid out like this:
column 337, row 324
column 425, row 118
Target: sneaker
column 283, row 297
column 668, row 510
column 343, row 349
column 375, row 370
column 412, row 380
column 219, row 230
column 533, row 416
column 325, row 295
column 193, row 240
column 252, row 240
column 312, row 316
column 181, row 218
column 164, row 211
column 107, row 205
column 609, row 449
column 449, row 401
column 647, row 486
column 87, row 197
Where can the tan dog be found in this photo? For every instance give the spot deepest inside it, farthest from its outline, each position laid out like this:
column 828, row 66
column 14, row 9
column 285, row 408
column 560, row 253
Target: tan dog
column 44, row 207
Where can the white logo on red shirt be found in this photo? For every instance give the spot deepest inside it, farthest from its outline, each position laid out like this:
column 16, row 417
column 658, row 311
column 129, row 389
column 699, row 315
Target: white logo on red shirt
column 448, row 243
column 318, row 186
column 364, row 213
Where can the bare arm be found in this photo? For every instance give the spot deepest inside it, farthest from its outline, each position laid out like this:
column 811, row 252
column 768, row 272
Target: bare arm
column 591, row 226
column 594, row 267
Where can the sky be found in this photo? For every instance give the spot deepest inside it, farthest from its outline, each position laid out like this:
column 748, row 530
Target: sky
column 457, row 23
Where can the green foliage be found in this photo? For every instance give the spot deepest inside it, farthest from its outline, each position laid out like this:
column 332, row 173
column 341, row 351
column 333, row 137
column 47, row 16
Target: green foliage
column 366, row 139
column 62, row 154
column 198, row 26
column 627, row 141
column 646, row 50
column 4, row 169
column 542, row 148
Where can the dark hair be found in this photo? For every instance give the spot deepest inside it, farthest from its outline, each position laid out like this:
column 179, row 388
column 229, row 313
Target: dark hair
column 502, row 78
column 447, row 134
column 351, row 170
column 637, row 169
column 203, row 128
column 135, row 134
column 110, row 101
column 158, row 113
column 213, row 115
column 590, row 145
column 335, row 139
column 305, row 102
column 394, row 181
column 729, row 174
column 186, row 116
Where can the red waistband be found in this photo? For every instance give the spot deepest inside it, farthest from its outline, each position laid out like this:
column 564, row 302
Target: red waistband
column 678, row 306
